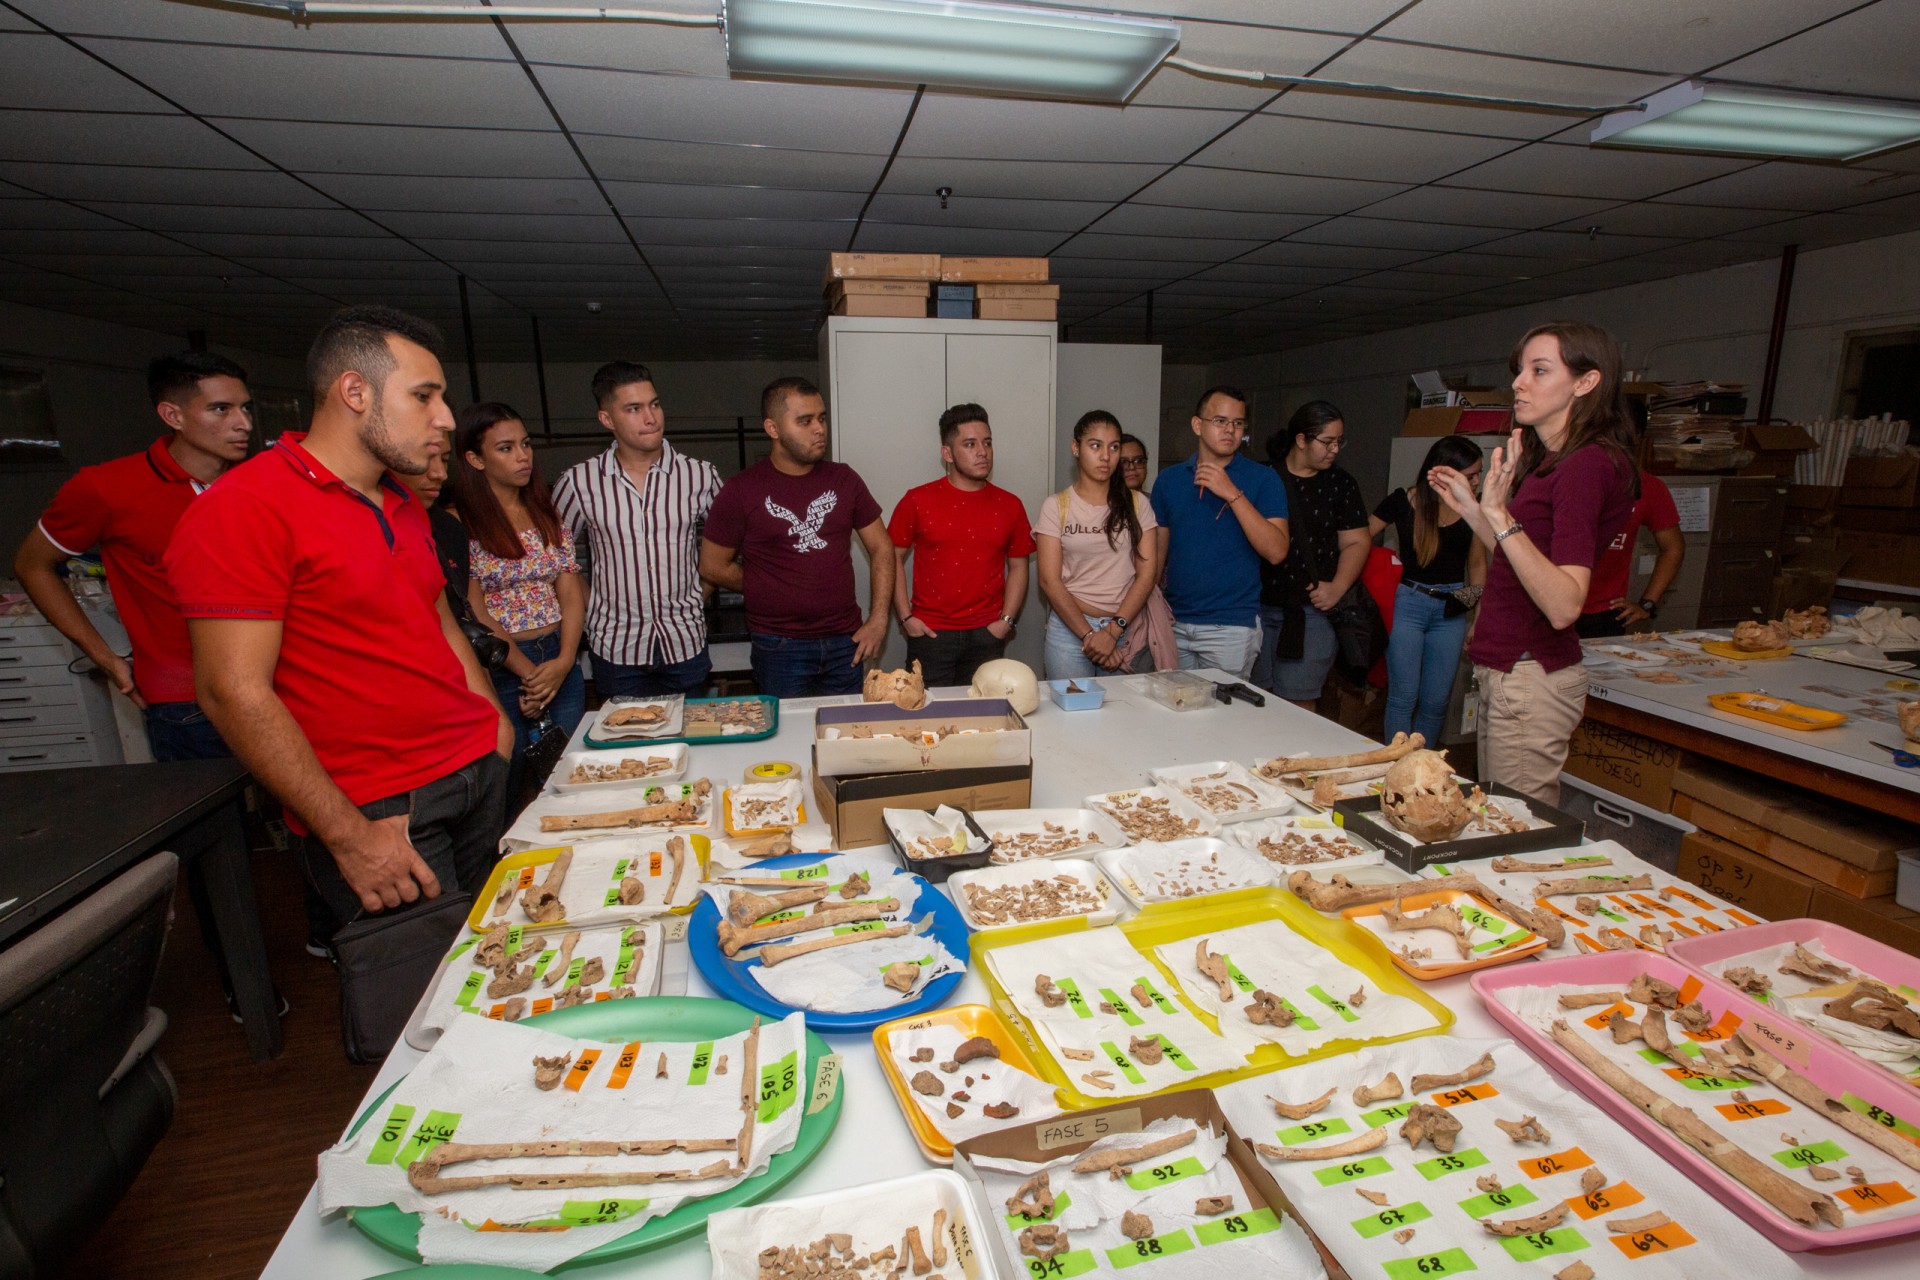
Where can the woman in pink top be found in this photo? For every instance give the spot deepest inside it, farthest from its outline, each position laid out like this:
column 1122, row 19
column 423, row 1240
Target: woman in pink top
column 525, row 584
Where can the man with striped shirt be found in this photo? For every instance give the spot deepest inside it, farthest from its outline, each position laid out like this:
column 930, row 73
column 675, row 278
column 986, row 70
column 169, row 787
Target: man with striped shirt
column 641, row 505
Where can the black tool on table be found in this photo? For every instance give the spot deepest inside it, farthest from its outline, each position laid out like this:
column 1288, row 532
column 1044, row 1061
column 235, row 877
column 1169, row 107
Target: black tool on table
column 1228, row 692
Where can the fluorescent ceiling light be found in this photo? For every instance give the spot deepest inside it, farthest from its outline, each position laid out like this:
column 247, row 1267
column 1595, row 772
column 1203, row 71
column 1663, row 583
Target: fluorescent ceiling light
column 951, row 43
column 1728, row 119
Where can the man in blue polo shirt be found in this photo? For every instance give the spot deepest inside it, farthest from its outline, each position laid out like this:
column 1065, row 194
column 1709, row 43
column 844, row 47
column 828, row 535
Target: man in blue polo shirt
column 1220, row 516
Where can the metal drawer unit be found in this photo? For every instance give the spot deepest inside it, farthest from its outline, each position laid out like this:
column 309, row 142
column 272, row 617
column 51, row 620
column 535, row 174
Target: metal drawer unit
column 1731, row 562
column 50, row 714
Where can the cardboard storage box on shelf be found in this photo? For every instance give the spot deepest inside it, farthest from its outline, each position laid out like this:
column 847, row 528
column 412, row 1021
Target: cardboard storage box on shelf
column 1881, row 919
column 1625, row 763
column 1846, row 518
column 1853, row 835
column 1017, row 309
column 1492, row 418
column 1026, row 270
column 1026, row 292
column 1891, row 558
column 1788, row 852
column 880, row 304
column 1757, row 885
column 884, row 266
column 953, row 733
column 1774, row 446
column 1882, row 482
column 892, row 288
column 853, row 805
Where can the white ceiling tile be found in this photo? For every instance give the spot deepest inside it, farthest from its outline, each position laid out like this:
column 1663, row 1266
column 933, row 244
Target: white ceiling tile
column 257, row 188
column 1485, row 208
column 379, row 193
column 1136, row 218
column 1675, row 36
column 599, row 228
column 277, row 84
column 1415, row 67
column 695, row 109
column 1326, row 148
column 1905, row 160
column 673, row 200
column 22, row 213
column 481, row 251
column 52, row 75
column 1667, row 219
column 1240, row 46
column 1264, row 192
column 1381, row 233
column 652, row 160
column 216, row 219
column 1021, row 179
column 408, row 151
column 1196, row 253
column 1831, row 228
column 230, row 24
column 100, row 138
column 1058, row 216
column 1490, row 265
column 1294, row 253
column 1572, row 248
column 624, row 46
column 1782, row 184
column 885, row 237
column 984, row 128
column 374, row 246
column 1552, row 168
column 742, row 233
column 1242, row 276
column 1869, row 51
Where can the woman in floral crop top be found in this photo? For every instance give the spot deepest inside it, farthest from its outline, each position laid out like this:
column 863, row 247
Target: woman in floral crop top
column 525, row 584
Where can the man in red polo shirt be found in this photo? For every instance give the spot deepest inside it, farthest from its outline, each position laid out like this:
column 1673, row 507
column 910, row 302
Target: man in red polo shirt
column 323, row 647
column 969, row 540
column 128, row 508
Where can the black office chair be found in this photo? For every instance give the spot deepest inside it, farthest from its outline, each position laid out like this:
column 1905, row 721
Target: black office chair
column 86, row 1099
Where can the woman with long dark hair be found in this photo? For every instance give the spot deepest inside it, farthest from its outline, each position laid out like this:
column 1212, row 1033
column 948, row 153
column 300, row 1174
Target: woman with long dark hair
column 1097, row 565
column 525, row 584
column 1442, row 568
column 1552, row 500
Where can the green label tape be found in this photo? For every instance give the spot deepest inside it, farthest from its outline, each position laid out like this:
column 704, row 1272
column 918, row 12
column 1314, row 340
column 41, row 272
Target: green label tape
column 1075, row 1001
column 1240, row 979
column 575, row 967
column 1386, row 1115
column 1450, row 1262
column 1160, row 1002
column 1811, row 1153
column 1497, row 1202
column 779, row 1084
column 1378, row 1224
column 1880, row 1116
column 865, row 926
column 1310, row 1131
column 1149, row 1250
column 1121, row 1007
column 1441, row 1166
column 391, row 1132
column 1062, row 1266
column 1162, row 1175
column 589, row 1213
column 1171, row 1052
column 470, row 989
column 1060, row 1202
column 702, row 1062
column 437, row 1128
column 463, row 948
column 1349, row 1170
column 1122, row 1061
column 1338, row 1006
column 1237, row 1226
column 1543, row 1244
column 818, row 871
column 542, row 960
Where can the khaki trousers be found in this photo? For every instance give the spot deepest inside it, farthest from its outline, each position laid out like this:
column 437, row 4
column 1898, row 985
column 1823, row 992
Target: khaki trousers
column 1527, row 717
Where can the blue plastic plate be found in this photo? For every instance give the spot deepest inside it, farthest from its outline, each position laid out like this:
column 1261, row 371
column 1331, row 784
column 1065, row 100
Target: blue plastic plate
column 730, row 980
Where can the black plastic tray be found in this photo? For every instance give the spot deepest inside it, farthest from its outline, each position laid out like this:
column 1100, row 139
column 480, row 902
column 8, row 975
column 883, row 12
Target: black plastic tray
column 1562, row 830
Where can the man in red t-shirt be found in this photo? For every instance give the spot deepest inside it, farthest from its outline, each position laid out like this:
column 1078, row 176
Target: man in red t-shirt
column 1607, row 611
column 323, row 647
column 128, row 508
column 972, row 541
column 781, row 533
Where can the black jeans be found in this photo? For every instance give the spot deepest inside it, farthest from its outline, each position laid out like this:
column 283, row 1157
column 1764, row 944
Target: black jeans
column 951, row 657
column 454, row 823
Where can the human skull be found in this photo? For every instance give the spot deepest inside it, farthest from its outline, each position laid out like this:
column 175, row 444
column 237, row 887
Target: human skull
column 1010, row 679
column 1420, row 797
column 903, row 688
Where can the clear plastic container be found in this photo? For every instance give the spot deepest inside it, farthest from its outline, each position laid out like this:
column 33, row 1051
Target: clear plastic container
column 1181, row 690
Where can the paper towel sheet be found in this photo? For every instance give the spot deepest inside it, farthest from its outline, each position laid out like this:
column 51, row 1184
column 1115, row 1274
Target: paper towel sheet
column 590, row 894
column 476, row 1086
column 1247, row 1240
column 1268, row 956
column 1248, row 835
column 992, row 1081
column 1437, row 1196
column 1099, row 967
column 1804, row 999
column 525, row 833
column 808, row 837
column 462, row 987
column 874, row 1215
column 1762, row 1130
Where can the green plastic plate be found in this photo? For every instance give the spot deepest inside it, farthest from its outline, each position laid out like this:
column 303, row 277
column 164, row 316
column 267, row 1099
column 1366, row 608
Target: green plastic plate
column 462, row 1271
column 675, row 1018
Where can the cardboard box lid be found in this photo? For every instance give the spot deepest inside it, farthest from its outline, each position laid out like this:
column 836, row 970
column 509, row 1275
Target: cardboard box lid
column 991, row 732
column 1853, row 835
column 890, row 288
column 1778, row 437
column 965, row 268
column 897, row 266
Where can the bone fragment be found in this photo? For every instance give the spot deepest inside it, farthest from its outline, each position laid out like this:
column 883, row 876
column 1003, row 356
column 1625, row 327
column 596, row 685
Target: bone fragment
column 542, row 901
column 1367, row 1193
column 1032, row 1198
column 1591, row 884
column 1525, row 1129
column 1368, row 1094
column 1575, row 1270
column 1401, row 745
column 558, row 969
column 1551, row 1218
column 732, row 938
column 902, row 974
column 1633, row 1226
column 1754, row 1053
column 1483, row 1066
column 1213, row 1206
column 744, row 907
column 1117, row 1160
column 1301, row 1110
column 548, row 1071
column 677, row 850
column 1510, row 863
column 774, row 954
column 1426, row 1122
column 1372, row 1140
column 1213, row 967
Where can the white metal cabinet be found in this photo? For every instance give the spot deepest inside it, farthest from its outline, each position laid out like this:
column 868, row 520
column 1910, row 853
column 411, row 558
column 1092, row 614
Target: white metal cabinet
column 50, row 715
column 887, row 383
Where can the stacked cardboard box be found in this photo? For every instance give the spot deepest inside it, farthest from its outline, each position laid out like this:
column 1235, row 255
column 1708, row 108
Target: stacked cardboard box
column 881, row 284
column 903, row 284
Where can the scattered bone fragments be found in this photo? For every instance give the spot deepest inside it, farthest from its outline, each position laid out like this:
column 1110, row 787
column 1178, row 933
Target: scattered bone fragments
column 1135, row 1226
column 902, row 974
column 1213, row 1206
column 1269, row 1010
column 1367, row 1193
column 1525, row 1129
column 1806, row 964
column 1368, row 1094
column 1751, row 981
column 1482, row 1066
column 1633, row 1226
column 1551, row 1218
column 1301, row 1110
column 1428, row 1123
column 1099, row 1079
column 1652, row 991
column 1050, row 995
column 548, row 1071
column 542, row 901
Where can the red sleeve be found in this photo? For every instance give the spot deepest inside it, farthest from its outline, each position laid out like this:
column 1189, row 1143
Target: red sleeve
column 1584, row 492
column 726, row 524
column 232, row 556
column 1657, row 510
column 1019, row 532
column 77, row 518
column 904, row 524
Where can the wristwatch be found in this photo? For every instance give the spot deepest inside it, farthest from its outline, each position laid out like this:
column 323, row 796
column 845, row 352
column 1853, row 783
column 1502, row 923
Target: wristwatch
column 1008, row 619
column 1649, row 606
column 1509, row 531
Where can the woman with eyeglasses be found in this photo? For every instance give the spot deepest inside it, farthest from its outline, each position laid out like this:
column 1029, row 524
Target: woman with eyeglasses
column 1441, row 572
column 1551, row 501
column 1328, row 522
column 1133, row 461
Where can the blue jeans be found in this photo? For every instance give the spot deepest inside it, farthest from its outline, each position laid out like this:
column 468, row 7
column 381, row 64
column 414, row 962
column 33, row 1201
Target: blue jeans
column 1066, row 660
column 791, row 667
column 181, row 731
column 1230, row 649
column 645, row 680
column 1295, row 679
column 1422, row 653
column 567, row 707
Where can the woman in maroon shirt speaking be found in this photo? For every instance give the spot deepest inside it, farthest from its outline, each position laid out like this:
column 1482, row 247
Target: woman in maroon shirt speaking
column 1550, row 503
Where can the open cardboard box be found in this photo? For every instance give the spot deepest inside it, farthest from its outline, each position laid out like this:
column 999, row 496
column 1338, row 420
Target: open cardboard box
column 855, row 805
column 954, row 733
column 1068, row 1134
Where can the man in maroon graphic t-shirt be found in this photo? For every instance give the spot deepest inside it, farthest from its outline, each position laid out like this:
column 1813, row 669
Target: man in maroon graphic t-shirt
column 781, row 533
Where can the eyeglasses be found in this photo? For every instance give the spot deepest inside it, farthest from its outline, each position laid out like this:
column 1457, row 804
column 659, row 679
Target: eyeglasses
column 1134, row 464
column 1332, row 443
column 1238, row 424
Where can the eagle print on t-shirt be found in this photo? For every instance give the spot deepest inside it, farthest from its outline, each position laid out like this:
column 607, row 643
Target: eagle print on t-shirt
column 806, row 533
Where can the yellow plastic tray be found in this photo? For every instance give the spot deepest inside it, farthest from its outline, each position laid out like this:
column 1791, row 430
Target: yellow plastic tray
column 514, row 863
column 969, row 1020
column 1727, row 649
column 726, row 812
column 1444, row 968
column 1162, row 923
column 1788, row 715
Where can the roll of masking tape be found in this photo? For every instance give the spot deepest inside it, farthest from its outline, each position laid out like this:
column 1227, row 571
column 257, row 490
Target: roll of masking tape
column 771, row 771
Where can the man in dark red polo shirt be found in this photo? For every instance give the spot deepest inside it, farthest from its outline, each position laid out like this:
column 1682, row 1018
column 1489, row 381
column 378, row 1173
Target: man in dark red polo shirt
column 128, row 508
column 323, row 647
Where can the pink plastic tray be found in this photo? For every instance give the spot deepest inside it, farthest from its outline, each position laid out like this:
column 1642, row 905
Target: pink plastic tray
column 1874, row 959
column 1833, row 1070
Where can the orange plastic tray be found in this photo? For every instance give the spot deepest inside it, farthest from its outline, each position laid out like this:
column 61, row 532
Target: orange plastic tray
column 968, row 1019
column 1727, row 649
column 1430, row 972
column 1788, row 715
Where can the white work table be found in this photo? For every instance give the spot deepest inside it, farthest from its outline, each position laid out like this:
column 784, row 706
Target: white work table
column 1075, row 754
